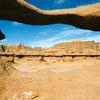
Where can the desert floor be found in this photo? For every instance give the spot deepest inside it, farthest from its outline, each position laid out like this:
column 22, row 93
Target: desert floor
column 36, row 80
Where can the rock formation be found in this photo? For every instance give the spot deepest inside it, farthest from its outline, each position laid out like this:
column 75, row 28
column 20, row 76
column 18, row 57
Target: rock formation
column 2, row 48
column 86, row 17
column 51, row 78
column 77, row 48
column 68, row 48
column 2, row 36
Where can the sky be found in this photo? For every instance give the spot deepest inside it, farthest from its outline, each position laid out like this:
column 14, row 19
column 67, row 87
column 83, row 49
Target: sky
column 47, row 35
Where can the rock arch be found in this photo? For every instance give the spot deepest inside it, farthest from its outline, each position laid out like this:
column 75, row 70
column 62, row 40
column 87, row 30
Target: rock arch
column 85, row 17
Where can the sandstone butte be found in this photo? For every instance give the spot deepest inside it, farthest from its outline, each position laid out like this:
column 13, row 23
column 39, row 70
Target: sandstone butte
column 51, row 77
column 85, row 17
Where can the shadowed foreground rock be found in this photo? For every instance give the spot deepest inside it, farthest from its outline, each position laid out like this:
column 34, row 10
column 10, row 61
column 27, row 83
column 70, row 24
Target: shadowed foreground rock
column 2, row 36
column 86, row 17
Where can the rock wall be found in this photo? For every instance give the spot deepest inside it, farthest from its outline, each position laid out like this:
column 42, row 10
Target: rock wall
column 68, row 48
column 75, row 48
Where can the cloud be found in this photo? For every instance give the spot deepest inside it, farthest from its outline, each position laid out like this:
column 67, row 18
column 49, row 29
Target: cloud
column 44, row 43
column 4, row 41
column 94, row 38
column 59, row 1
column 65, row 35
column 16, row 23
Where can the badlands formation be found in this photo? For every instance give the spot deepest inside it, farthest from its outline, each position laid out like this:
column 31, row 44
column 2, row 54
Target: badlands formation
column 66, row 71
column 69, row 71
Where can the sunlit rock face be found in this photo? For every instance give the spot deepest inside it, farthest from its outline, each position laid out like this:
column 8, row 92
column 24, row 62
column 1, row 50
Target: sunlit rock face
column 51, row 78
column 67, row 48
column 86, row 17
column 29, row 80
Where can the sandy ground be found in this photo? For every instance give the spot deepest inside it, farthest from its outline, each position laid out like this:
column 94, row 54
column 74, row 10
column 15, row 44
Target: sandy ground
column 28, row 80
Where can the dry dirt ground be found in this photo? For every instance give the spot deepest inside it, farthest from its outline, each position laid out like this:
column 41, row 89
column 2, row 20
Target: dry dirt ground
column 29, row 80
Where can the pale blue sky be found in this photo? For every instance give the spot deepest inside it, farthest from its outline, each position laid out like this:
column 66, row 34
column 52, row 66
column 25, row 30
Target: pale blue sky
column 47, row 35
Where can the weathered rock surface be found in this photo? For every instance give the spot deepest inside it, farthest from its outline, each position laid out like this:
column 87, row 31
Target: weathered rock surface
column 28, row 80
column 74, row 48
column 86, row 17
column 78, row 47
column 33, row 78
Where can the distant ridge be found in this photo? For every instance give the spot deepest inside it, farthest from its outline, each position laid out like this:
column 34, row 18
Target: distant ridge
column 74, row 47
